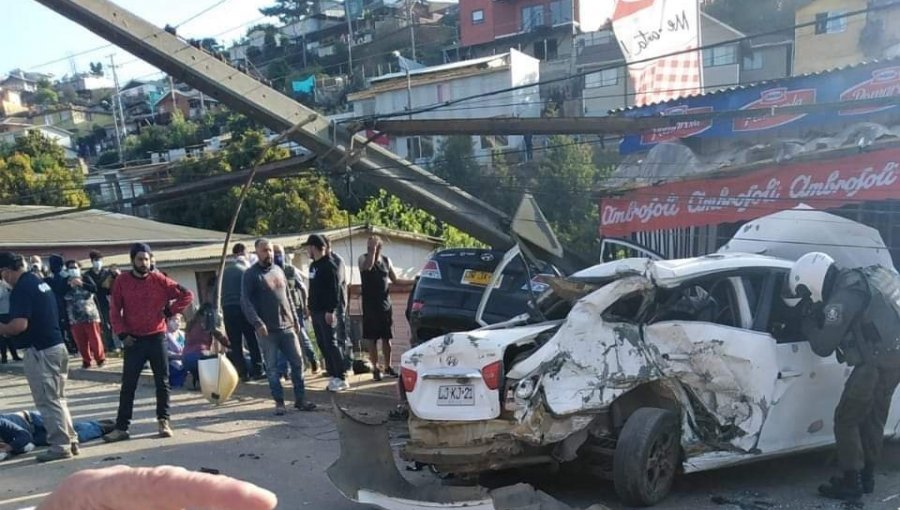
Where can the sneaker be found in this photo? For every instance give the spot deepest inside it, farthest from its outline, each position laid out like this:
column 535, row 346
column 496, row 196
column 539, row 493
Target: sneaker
column 116, row 436
column 28, row 448
column 279, row 409
column 165, row 429
column 376, row 374
column 85, row 366
column 76, row 450
column 54, row 455
column 101, row 364
column 314, row 367
column 342, row 386
column 305, row 406
column 333, row 384
column 388, row 371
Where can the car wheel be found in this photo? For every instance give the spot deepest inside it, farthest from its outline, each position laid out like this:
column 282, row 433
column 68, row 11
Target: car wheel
column 647, row 455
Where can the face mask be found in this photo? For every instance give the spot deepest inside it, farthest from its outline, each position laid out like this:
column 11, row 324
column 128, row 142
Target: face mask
column 172, row 325
column 74, row 273
column 97, row 264
column 279, row 261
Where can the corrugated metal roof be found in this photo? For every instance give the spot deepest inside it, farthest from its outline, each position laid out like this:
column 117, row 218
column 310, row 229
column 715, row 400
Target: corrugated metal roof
column 726, row 90
column 90, row 228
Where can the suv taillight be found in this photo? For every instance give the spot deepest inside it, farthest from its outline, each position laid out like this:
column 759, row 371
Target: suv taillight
column 431, row 270
column 492, row 374
column 408, row 378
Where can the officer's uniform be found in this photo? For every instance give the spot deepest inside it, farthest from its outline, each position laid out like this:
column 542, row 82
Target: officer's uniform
column 860, row 322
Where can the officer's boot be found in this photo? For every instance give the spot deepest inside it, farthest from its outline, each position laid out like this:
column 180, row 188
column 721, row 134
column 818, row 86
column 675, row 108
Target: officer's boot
column 848, row 488
column 867, row 477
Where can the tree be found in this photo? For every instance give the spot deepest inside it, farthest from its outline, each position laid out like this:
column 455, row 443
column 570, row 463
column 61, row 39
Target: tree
column 289, row 205
column 97, row 68
column 564, row 180
column 456, row 163
column 288, row 11
column 45, row 95
column 33, row 172
column 389, row 211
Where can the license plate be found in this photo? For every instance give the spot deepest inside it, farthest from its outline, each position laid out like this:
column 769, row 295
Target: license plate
column 456, row 395
column 480, row 278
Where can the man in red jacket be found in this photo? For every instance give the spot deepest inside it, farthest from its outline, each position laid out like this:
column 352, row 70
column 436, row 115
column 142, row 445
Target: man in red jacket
column 140, row 302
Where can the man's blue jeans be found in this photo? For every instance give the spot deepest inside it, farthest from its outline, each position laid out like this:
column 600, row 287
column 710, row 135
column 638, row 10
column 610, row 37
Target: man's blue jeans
column 285, row 343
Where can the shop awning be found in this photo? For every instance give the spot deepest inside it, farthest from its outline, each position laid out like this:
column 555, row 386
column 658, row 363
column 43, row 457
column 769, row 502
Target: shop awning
column 822, row 184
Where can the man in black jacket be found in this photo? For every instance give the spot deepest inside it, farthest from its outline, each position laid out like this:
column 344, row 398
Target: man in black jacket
column 324, row 302
column 59, row 283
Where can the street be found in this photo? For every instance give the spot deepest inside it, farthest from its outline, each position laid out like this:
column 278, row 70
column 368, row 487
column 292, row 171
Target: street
column 288, row 455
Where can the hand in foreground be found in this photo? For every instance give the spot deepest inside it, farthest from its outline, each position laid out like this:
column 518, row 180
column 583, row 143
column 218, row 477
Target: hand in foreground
column 160, row 488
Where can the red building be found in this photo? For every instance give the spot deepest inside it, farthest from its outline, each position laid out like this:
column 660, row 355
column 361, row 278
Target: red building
column 510, row 23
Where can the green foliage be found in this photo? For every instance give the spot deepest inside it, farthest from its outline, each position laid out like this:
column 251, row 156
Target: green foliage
column 33, row 172
column 456, row 163
column 287, row 11
column 97, row 68
column 179, row 133
column 388, row 211
column 281, row 206
column 45, row 95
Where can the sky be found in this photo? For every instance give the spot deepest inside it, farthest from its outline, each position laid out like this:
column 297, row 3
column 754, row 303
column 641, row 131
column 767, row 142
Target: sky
column 41, row 40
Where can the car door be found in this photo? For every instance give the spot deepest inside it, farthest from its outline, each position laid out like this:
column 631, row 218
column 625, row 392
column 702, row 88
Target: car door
column 729, row 368
column 807, row 387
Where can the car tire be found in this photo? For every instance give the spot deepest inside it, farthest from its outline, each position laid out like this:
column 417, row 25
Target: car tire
column 647, row 456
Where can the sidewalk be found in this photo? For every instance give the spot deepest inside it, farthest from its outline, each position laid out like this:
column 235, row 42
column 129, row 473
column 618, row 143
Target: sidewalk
column 364, row 391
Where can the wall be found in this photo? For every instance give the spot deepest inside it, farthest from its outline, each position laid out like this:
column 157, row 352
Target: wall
column 10, row 102
column 776, row 62
column 816, row 52
column 471, row 34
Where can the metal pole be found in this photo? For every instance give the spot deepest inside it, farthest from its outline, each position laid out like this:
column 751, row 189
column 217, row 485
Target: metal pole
column 408, row 93
column 172, row 91
column 349, row 38
column 412, row 29
column 117, row 97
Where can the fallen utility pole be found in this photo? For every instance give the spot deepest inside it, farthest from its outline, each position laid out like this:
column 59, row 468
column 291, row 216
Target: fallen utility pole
column 334, row 145
column 612, row 126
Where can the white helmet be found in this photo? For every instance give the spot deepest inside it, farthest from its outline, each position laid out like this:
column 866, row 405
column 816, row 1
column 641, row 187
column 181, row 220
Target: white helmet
column 810, row 272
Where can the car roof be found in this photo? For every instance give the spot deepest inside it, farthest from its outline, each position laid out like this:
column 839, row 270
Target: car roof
column 674, row 272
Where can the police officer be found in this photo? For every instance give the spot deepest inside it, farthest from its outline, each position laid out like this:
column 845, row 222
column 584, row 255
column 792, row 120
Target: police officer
column 855, row 314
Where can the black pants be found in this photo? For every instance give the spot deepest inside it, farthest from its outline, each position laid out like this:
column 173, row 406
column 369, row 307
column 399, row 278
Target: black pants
column 145, row 348
column 108, row 340
column 238, row 329
column 330, row 346
column 6, row 348
column 861, row 415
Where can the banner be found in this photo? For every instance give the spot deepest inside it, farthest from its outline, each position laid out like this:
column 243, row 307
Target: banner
column 868, row 81
column 822, row 184
column 647, row 30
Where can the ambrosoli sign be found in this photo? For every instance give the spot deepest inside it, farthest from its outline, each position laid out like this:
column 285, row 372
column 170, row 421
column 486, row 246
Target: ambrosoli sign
column 863, row 82
column 819, row 184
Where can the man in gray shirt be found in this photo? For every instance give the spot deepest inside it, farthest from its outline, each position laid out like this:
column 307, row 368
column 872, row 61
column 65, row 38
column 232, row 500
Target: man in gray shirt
column 237, row 328
column 267, row 306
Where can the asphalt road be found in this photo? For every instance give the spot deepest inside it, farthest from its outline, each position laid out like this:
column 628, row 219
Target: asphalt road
column 288, row 455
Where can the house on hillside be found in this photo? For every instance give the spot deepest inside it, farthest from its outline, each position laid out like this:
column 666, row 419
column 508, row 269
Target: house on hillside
column 835, row 41
column 62, row 137
column 11, row 102
column 192, row 104
column 23, row 81
column 396, row 92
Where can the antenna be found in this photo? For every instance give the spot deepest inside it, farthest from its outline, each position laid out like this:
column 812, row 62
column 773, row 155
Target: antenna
column 73, row 67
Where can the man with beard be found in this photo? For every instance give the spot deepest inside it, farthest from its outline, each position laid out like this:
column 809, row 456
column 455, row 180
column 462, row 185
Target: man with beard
column 268, row 307
column 141, row 302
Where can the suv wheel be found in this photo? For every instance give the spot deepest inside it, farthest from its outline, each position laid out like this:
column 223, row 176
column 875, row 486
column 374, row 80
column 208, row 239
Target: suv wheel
column 647, row 456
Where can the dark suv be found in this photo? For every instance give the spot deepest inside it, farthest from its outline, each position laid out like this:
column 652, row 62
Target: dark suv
column 449, row 289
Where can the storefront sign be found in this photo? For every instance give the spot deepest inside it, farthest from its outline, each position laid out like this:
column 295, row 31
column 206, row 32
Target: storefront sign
column 864, row 82
column 822, row 184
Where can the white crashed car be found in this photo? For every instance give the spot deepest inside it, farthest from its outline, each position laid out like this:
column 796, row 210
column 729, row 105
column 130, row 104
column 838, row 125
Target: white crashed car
column 640, row 369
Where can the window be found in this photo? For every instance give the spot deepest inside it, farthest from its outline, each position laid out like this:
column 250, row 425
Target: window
column 560, row 12
column 753, row 61
column 419, row 147
column 604, row 78
column 478, row 17
column 532, row 17
column 720, row 56
column 598, row 38
column 546, row 49
column 829, row 23
column 494, row 142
